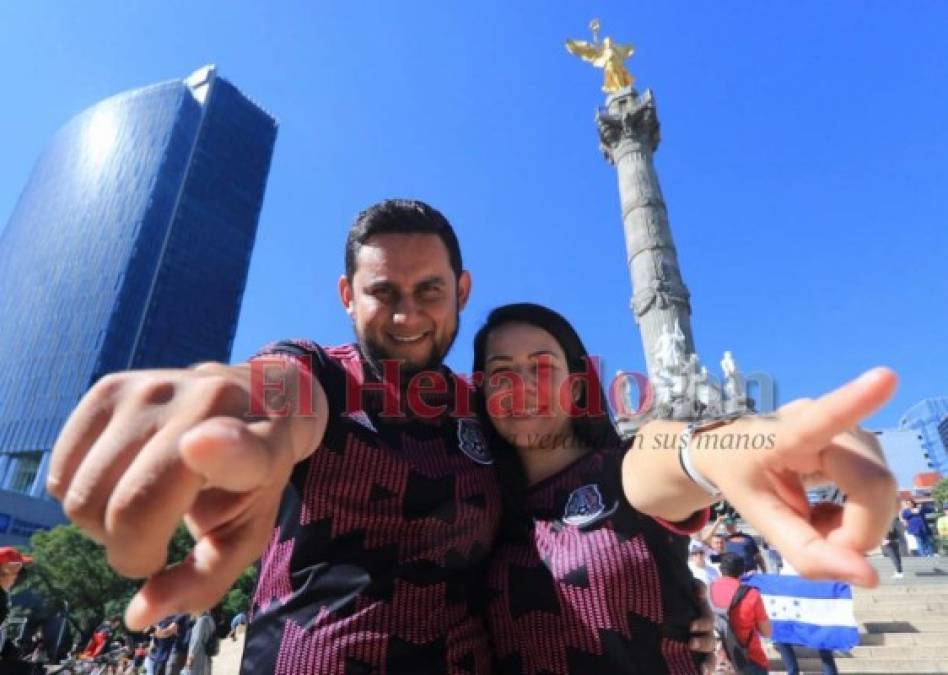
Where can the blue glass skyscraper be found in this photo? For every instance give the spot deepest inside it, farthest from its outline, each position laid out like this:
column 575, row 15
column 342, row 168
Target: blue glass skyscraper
column 128, row 248
column 925, row 417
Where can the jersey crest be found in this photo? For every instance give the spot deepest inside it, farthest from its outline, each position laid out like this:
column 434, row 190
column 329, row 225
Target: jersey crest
column 472, row 441
column 584, row 505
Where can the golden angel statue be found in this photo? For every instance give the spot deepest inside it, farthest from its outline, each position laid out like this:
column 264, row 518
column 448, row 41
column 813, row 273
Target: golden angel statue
column 608, row 55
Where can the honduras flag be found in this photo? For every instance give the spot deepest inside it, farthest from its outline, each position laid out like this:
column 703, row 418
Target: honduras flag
column 816, row 614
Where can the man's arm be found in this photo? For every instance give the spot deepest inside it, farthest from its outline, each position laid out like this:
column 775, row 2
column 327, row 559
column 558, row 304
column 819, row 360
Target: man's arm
column 213, row 445
column 705, row 535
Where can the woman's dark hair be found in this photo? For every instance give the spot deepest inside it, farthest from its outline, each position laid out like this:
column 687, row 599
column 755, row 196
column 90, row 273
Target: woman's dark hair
column 592, row 429
column 401, row 216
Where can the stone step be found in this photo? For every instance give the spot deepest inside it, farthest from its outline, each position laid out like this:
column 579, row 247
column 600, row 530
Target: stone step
column 890, row 666
column 932, row 624
column 904, row 609
column 904, row 639
column 900, row 589
column 883, row 615
column 875, row 653
column 901, row 602
column 923, row 625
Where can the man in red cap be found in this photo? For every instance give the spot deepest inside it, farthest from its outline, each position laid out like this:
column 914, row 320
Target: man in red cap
column 11, row 562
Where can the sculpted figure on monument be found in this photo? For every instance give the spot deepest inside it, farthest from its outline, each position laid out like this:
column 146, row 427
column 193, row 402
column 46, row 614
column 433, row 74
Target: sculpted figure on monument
column 608, row 55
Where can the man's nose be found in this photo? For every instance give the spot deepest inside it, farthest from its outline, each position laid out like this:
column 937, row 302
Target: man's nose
column 405, row 311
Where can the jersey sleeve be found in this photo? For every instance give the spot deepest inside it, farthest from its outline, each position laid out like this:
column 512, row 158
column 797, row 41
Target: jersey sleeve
column 693, row 523
column 307, row 354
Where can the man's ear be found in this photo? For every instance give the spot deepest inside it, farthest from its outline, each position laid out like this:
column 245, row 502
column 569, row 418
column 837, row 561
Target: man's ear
column 464, row 289
column 346, row 295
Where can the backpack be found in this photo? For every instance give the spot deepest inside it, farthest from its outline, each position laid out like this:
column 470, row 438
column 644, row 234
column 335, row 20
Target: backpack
column 736, row 651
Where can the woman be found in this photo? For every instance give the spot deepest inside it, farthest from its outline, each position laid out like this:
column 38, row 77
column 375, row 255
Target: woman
column 580, row 582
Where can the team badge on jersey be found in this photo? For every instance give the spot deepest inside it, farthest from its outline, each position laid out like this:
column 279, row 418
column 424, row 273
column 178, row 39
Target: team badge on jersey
column 584, row 505
column 472, row 441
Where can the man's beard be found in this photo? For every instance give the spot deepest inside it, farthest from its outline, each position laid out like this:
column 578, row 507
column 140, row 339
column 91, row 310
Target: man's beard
column 375, row 354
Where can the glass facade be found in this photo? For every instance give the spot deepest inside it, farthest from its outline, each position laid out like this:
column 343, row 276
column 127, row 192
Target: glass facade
column 924, row 418
column 128, row 248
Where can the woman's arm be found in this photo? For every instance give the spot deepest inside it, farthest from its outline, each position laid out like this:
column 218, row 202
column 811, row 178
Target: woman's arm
column 762, row 466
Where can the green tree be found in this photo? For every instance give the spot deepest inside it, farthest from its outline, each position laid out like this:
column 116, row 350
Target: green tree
column 940, row 492
column 69, row 568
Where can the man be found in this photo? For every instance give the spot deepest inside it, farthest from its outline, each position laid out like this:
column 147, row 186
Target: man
column 381, row 490
column 181, row 625
column 99, row 642
column 700, row 566
column 915, row 518
column 164, row 636
column 11, row 563
column 748, row 618
column 744, row 546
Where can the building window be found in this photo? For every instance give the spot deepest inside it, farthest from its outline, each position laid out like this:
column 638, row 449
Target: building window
column 24, row 469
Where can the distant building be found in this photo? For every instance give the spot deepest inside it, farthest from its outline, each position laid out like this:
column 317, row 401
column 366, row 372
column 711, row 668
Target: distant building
column 128, row 248
column 929, row 418
column 905, row 454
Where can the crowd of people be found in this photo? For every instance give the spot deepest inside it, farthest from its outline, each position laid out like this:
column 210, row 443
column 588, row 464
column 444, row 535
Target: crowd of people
column 721, row 556
column 412, row 521
column 181, row 644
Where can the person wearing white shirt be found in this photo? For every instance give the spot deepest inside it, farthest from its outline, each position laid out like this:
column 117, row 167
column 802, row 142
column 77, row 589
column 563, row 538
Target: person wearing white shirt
column 699, row 563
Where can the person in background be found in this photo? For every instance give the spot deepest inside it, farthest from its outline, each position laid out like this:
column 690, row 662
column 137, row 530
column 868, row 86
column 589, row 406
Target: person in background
column 789, row 656
column 99, row 642
column 240, row 619
column 744, row 546
column 699, row 565
column 163, row 638
column 890, row 548
column 748, row 619
column 202, row 631
column 179, row 648
column 11, row 563
column 772, row 557
column 913, row 516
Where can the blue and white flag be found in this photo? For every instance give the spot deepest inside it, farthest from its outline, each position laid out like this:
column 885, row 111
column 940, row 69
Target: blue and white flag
column 816, row 614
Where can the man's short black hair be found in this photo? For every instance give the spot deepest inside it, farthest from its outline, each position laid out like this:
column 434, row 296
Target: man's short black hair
column 401, row 216
column 731, row 565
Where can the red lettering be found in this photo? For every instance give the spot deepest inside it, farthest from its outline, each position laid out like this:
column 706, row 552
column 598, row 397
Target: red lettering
column 426, row 382
column 497, row 405
column 590, row 380
column 260, row 386
column 391, row 399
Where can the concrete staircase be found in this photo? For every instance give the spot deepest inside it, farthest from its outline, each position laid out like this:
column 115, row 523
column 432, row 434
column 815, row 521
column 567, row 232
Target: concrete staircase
column 903, row 625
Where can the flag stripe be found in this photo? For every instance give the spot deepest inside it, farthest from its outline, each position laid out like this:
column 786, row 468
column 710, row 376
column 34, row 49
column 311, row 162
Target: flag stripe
column 843, row 638
column 798, row 587
column 817, row 612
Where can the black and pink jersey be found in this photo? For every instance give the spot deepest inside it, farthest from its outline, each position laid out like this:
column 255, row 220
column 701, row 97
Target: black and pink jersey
column 377, row 560
column 592, row 586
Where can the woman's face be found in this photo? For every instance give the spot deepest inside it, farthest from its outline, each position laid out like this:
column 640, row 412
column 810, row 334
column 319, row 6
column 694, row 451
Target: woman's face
column 527, row 387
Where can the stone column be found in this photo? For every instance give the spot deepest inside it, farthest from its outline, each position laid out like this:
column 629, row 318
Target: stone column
column 629, row 135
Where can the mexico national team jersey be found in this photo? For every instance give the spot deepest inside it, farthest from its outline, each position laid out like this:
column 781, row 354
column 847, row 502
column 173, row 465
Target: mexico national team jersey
column 593, row 586
column 376, row 562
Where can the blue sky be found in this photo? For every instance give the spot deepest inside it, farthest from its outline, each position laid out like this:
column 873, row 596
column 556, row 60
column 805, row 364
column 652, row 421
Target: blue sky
column 803, row 159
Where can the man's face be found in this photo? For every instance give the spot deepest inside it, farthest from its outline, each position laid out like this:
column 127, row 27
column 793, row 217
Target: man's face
column 8, row 574
column 717, row 543
column 404, row 299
